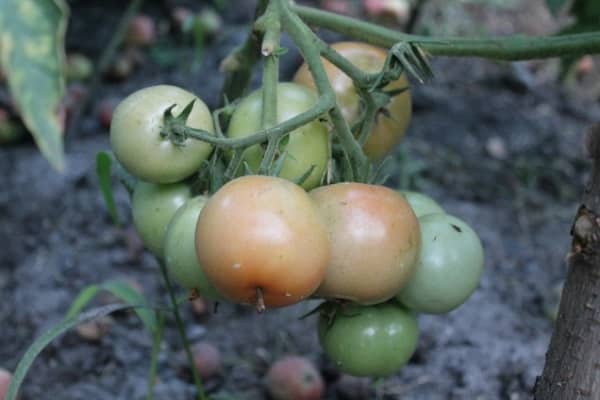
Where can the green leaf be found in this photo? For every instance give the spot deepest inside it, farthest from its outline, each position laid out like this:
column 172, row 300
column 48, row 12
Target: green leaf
column 32, row 34
column 587, row 12
column 41, row 342
column 103, row 171
column 123, row 291
column 556, row 6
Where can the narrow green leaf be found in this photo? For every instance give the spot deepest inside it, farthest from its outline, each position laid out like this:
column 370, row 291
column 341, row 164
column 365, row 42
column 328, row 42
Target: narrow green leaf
column 129, row 295
column 82, row 300
column 41, row 342
column 556, row 6
column 103, row 171
column 32, row 34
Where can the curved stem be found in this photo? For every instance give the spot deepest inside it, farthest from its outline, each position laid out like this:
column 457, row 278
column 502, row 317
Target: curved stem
column 510, row 48
column 305, row 39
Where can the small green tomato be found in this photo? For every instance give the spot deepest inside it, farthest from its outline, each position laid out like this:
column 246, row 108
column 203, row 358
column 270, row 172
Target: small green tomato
column 422, row 204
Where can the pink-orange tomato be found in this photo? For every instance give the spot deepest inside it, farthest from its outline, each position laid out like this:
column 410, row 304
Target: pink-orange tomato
column 262, row 236
column 294, row 378
column 375, row 241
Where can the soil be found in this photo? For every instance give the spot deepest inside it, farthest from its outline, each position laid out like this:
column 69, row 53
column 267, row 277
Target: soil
column 495, row 144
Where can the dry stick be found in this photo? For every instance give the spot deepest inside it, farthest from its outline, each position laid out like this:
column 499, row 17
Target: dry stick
column 572, row 369
column 105, row 59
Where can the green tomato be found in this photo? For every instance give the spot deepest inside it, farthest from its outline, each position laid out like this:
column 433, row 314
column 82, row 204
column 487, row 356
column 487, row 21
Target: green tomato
column 422, row 204
column 153, row 206
column 136, row 140
column 180, row 249
column 449, row 267
column 304, row 147
column 369, row 340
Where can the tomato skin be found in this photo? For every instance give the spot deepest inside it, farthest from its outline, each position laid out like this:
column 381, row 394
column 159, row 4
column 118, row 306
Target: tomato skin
column 375, row 241
column 180, row 249
column 135, row 135
column 306, row 146
column 369, row 340
column 262, row 232
column 449, row 267
column 422, row 204
column 388, row 131
column 152, row 207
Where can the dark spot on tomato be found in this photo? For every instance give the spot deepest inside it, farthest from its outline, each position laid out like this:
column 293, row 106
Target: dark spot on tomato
column 456, row 228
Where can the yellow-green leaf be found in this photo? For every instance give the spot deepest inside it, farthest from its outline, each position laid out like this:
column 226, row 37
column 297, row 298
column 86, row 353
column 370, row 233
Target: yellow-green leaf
column 32, row 34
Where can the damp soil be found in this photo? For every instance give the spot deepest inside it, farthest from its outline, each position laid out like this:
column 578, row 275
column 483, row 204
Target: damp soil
column 493, row 144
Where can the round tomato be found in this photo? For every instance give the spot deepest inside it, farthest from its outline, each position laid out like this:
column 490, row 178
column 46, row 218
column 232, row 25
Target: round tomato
column 375, row 241
column 136, row 140
column 180, row 249
column 305, row 147
column 261, row 236
column 369, row 340
column 388, row 130
column 449, row 267
column 422, row 204
column 153, row 206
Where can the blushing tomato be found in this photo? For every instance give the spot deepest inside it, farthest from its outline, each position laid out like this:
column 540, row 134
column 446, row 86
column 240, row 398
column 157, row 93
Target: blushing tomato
column 180, row 249
column 422, row 204
column 375, row 241
column 305, row 146
column 449, row 267
column 261, row 236
column 369, row 340
column 136, row 140
column 152, row 207
column 388, row 130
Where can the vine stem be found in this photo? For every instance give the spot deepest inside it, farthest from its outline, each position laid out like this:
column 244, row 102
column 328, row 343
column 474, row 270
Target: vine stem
column 510, row 48
column 181, row 328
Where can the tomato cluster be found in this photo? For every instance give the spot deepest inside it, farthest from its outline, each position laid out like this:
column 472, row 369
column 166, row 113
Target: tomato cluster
column 375, row 255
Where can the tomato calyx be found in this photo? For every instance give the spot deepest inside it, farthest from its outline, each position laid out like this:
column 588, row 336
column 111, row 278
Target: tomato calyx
column 175, row 128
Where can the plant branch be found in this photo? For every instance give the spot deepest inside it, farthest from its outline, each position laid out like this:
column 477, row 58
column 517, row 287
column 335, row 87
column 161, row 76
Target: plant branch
column 511, row 48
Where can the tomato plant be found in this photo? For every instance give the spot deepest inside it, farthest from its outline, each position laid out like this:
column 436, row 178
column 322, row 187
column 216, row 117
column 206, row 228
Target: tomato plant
column 304, row 148
column 422, row 204
column 180, row 249
column 369, row 340
column 375, row 241
column 152, row 207
column 392, row 123
column 261, row 239
column 449, row 267
column 137, row 139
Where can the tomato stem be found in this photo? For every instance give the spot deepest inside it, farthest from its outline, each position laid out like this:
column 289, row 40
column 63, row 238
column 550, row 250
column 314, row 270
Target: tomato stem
column 260, row 301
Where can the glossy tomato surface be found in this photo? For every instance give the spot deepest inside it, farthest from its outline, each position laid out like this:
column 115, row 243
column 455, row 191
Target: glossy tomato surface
column 262, row 232
column 375, row 241
column 388, row 130
column 449, row 267
column 369, row 340
column 136, row 140
column 153, row 206
column 304, row 147
column 421, row 203
column 180, row 249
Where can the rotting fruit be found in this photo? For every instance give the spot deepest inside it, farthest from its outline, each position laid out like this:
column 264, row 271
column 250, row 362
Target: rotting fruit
column 261, row 241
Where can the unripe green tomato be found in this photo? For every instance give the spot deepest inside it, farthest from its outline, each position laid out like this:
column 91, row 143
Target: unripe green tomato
column 136, row 140
column 421, row 204
column 180, row 249
column 304, row 147
column 369, row 340
column 449, row 267
column 153, row 206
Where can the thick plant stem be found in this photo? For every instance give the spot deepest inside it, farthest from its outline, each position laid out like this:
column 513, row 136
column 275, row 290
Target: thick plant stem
column 572, row 370
column 511, row 48
column 181, row 328
column 307, row 42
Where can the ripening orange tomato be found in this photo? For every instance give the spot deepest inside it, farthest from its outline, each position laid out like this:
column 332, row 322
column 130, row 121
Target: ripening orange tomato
column 262, row 237
column 375, row 241
column 389, row 129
